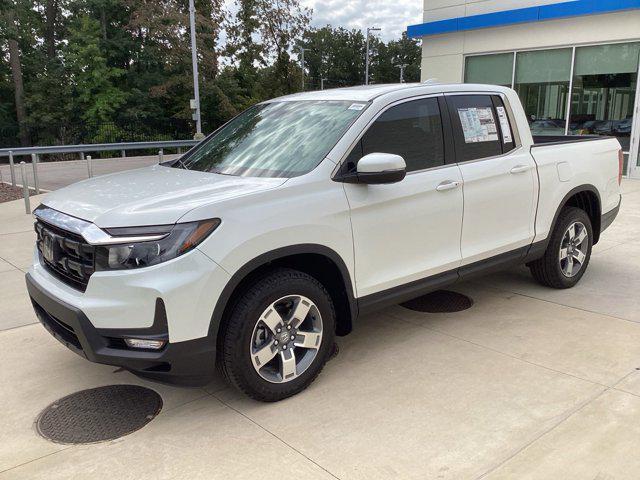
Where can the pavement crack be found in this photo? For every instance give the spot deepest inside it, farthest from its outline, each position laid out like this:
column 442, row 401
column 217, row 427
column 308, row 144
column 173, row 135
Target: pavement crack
column 275, row 436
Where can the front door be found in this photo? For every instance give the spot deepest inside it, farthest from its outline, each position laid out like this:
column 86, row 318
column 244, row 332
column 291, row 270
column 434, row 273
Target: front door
column 409, row 230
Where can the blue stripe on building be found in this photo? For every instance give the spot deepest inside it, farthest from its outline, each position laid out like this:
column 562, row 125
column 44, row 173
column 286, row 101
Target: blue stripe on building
column 574, row 8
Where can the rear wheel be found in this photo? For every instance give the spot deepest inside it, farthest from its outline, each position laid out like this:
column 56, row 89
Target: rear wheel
column 568, row 253
column 278, row 336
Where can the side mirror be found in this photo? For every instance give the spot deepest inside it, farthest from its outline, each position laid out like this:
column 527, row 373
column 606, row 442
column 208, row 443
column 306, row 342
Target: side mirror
column 378, row 169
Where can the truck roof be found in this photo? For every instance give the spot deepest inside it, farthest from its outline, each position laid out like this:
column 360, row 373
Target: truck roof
column 366, row 93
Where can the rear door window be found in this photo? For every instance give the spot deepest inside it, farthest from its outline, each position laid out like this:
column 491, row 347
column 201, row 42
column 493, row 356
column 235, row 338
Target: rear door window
column 476, row 127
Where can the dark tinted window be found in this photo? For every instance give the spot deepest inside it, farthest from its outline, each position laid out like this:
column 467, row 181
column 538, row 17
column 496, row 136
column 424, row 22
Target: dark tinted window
column 412, row 130
column 505, row 127
column 475, row 127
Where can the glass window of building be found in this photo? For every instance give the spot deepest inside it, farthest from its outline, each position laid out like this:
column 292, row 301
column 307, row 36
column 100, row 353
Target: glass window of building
column 604, row 91
column 489, row 69
column 542, row 82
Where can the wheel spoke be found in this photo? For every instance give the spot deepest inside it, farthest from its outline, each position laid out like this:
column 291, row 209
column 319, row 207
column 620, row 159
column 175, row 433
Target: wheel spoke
column 308, row 339
column 300, row 312
column 272, row 319
column 264, row 355
column 288, row 369
column 579, row 256
column 569, row 266
column 564, row 253
column 581, row 236
column 572, row 231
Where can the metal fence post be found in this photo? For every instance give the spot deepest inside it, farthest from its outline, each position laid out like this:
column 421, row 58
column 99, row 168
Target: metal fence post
column 12, row 169
column 81, row 155
column 34, row 164
column 89, row 166
column 160, row 155
column 25, row 188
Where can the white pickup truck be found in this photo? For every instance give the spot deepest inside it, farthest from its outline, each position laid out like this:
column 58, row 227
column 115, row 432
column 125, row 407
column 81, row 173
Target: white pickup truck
column 261, row 244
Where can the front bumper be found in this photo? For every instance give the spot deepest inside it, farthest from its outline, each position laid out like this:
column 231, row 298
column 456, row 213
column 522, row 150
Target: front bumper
column 185, row 363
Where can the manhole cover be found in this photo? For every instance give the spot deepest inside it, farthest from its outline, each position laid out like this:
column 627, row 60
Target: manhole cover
column 99, row 414
column 441, row 301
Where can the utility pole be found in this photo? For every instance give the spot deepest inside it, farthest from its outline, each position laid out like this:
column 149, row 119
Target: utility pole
column 366, row 63
column 402, row 66
column 194, row 61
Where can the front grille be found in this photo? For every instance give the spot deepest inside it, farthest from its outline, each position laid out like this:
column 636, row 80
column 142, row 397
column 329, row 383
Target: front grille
column 66, row 255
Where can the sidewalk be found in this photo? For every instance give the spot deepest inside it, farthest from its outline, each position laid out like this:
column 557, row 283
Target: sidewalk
column 529, row 383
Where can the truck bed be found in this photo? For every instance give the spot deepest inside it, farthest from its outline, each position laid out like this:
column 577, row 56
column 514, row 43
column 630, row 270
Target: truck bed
column 544, row 140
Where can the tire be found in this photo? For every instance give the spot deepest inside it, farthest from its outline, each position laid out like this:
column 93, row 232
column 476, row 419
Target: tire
column 554, row 271
column 257, row 328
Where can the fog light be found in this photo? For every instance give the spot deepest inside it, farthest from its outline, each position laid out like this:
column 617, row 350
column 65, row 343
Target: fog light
column 144, row 344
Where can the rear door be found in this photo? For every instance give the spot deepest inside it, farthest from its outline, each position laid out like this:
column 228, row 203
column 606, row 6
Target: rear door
column 500, row 185
column 409, row 230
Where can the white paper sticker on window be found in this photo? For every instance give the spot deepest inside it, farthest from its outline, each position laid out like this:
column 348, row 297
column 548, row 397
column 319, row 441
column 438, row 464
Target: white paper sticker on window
column 504, row 125
column 478, row 125
column 357, row 106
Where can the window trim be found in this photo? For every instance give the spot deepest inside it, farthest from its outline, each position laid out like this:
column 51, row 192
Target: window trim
column 446, row 132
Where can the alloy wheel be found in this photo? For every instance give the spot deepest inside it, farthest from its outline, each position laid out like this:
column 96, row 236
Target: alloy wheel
column 573, row 249
column 286, row 339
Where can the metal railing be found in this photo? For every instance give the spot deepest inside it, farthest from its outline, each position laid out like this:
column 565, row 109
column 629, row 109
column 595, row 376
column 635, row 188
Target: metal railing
column 35, row 152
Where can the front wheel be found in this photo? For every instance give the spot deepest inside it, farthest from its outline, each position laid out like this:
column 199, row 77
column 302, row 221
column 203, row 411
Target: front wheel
column 279, row 335
column 568, row 253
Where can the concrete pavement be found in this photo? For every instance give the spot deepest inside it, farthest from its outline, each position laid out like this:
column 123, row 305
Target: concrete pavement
column 529, row 383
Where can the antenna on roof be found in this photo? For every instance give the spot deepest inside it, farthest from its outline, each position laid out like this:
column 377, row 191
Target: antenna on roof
column 431, row 80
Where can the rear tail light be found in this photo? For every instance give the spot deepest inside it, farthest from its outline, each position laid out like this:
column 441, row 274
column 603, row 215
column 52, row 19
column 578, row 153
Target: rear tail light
column 620, row 166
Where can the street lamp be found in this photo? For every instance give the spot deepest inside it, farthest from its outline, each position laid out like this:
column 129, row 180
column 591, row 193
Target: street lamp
column 402, row 66
column 302, row 50
column 194, row 60
column 366, row 63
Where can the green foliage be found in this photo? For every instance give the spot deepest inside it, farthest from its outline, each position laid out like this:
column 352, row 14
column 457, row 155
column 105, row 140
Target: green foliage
column 120, row 70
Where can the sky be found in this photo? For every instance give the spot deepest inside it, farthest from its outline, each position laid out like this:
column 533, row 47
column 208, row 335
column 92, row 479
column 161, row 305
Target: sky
column 393, row 16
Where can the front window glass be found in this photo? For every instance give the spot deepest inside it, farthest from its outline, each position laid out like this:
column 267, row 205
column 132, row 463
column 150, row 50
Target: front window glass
column 604, row 91
column 542, row 82
column 279, row 139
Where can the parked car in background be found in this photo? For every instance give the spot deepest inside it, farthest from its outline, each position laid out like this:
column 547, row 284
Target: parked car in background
column 273, row 235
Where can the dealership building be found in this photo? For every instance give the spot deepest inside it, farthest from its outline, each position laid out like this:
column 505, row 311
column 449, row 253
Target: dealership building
column 574, row 64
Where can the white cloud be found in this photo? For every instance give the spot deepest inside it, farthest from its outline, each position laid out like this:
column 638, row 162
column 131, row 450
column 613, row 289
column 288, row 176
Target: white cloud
column 393, row 16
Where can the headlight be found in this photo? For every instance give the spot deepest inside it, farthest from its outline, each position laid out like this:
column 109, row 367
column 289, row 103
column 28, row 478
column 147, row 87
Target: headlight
column 178, row 240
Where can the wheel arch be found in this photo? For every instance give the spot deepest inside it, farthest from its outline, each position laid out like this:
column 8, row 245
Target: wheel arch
column 585, row 197
column 319, row 261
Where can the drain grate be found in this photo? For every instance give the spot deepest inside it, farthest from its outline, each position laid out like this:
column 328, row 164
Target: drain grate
column 99, row 414
column 441, row 301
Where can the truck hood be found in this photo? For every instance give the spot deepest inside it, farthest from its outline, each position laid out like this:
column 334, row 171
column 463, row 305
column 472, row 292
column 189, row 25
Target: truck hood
column 154, row 195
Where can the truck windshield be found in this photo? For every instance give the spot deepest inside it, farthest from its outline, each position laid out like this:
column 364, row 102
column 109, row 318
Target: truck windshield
column 279, row 139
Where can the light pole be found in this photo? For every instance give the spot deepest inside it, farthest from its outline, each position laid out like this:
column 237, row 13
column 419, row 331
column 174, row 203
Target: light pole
column 402, row 66
column 366, row 63
column 302, row 50
column 194, row 61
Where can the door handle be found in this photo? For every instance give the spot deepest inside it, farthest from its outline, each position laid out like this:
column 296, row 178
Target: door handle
column 520, row 169
column 448, row 185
